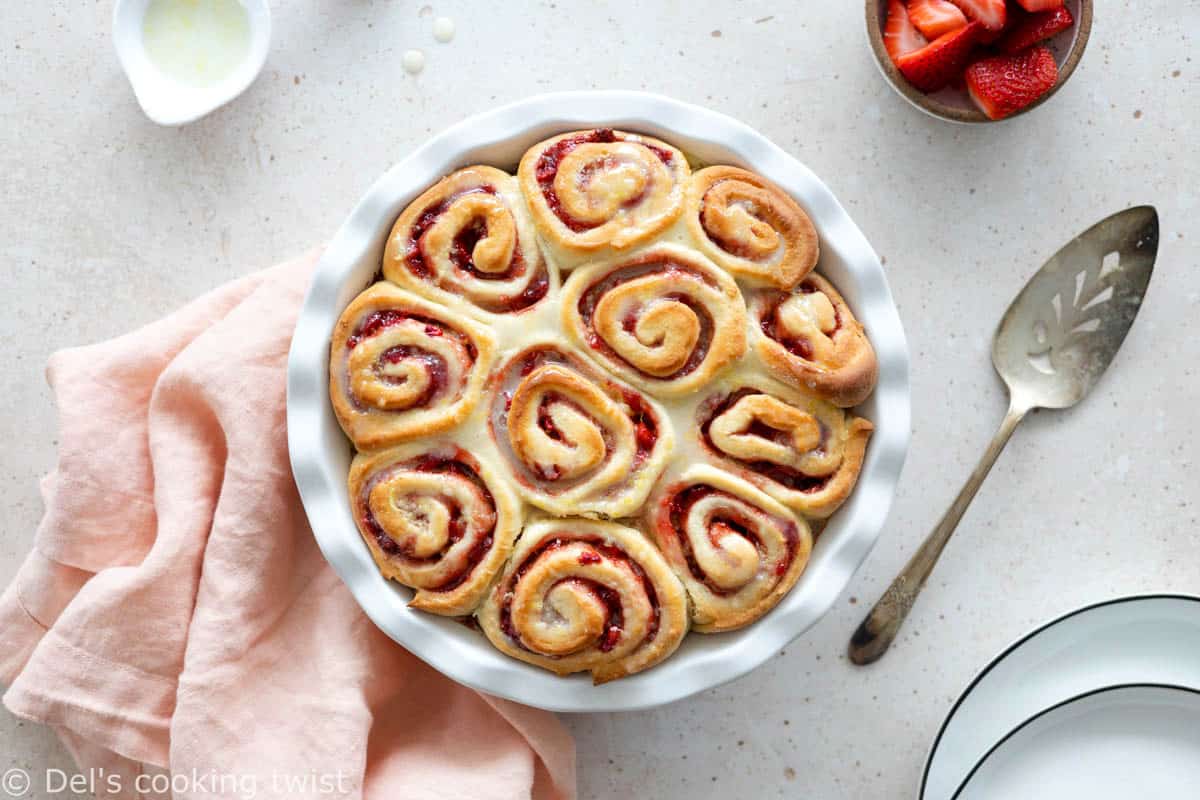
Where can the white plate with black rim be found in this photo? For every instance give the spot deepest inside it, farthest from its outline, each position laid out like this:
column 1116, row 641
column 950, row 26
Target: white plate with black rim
column 1145, row 639
column 1140, row 740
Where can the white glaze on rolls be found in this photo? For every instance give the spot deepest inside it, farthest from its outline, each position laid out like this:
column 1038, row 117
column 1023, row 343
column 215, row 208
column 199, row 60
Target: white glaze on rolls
column 736, row 550
column 401, row 367
column 436, row 519
column 671, row 415
column 586, row 596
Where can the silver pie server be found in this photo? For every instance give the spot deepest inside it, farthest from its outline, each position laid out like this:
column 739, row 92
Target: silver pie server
column 1056, row 339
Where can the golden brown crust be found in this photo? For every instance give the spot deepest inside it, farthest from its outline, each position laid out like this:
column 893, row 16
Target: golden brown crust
column 477, row 390
column 435, row 519
column 401, row 367
column 802, row 451
column 586, row 596
column 665, row 319
column 737, row 551
column 468, row 242
column 576, row 442
column 751, row 227
column 602, row 188
column 811, row 339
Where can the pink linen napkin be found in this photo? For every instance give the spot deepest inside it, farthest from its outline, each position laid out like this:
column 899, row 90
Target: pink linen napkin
column 176, row 612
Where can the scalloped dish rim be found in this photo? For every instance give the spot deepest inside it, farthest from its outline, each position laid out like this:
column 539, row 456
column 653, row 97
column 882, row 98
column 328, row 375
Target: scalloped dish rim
column 320, row 454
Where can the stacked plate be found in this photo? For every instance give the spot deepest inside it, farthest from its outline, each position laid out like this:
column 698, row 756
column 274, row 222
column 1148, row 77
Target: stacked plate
column 1101, row 703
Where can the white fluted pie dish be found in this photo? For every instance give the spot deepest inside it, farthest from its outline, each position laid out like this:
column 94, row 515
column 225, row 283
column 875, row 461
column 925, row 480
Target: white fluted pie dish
column 321, row 455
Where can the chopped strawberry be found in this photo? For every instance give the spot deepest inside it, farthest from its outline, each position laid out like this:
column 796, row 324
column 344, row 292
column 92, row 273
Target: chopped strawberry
column 1040, row 5
column 1014, row 16
column 992, row 14
column 935, row 17
column 1003, row 85
column 1036, row 28
column 940, row 61
column 900, row 36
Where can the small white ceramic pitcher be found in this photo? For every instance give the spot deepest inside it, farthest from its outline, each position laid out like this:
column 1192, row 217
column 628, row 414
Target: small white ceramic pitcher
column 167, row 101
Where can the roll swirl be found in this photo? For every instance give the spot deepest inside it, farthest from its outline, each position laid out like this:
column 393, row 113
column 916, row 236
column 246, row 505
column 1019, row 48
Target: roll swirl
column 480, row 390
column 666, row 319
column 751, row 227
column 737, row 551
column 603, row 188
column 576, row 441
column 804, row 452
column 468, row 239
column 435, row 519
column 401, row 367
column 811, row 339
column 581, row 595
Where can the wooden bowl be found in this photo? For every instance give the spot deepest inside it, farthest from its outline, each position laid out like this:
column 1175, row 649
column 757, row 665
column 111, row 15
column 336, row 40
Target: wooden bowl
column 955, row 105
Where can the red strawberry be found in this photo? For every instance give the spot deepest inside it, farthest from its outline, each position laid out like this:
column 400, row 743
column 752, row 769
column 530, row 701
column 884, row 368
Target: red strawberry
column 1040, row 5
column 900, row 36
column 1003, row 85
column 1036, row 28
column 940, row 61
column 1014, row 16
column 935, row 17
column 992, row 13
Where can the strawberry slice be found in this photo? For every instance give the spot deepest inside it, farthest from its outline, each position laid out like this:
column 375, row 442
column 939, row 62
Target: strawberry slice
column 1003, row 85
column 1036, row 28
column 1040, row 5
column 900, row 36
column 935, row 17
column 1014, row 16
column 940, row 61
column 991, row 13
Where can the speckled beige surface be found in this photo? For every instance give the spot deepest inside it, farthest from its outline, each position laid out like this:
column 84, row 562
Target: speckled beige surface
column 107, row 221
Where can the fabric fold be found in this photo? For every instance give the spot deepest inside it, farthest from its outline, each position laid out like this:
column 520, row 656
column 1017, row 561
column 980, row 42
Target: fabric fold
column 177, row 613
